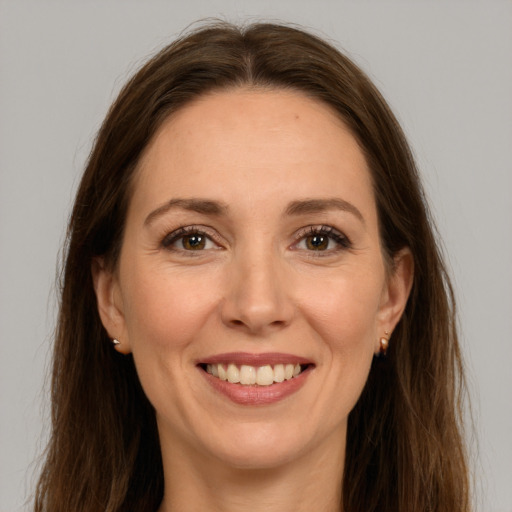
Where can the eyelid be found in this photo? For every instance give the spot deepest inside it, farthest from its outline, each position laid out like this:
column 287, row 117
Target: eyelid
column 339, row 237
column 173, row 236
column 342, row 240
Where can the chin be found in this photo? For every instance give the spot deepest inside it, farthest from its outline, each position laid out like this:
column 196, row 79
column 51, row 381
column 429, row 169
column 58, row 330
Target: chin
column 257, row 446
column 267, row 455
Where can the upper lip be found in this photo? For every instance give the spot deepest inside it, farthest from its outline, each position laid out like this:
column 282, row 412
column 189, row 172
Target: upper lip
column 246, row 358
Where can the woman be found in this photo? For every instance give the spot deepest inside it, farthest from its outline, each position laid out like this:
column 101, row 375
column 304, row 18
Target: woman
column 254, row 310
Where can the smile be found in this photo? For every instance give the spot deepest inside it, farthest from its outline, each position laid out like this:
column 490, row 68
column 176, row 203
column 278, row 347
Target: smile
column 247, row 375
column 256, row 379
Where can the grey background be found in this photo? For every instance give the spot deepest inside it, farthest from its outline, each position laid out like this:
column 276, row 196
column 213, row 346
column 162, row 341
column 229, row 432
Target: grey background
column 444, row 66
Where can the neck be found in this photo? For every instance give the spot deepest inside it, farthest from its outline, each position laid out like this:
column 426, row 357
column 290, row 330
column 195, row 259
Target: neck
column 312, row 482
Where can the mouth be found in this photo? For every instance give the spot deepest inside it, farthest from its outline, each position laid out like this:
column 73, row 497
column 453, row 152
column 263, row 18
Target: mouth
column 250, row 375
column 256, row 379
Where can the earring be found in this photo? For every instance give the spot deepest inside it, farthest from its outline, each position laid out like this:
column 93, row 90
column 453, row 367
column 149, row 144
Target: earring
column 116, row 342
column 384, row 344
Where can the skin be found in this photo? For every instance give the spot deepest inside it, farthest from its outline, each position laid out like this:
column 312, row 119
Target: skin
column 256, row 286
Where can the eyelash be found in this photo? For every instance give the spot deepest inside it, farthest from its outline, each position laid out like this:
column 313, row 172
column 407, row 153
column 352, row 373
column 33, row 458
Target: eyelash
column 339, row 238
column 342, row 241
column 181, row 233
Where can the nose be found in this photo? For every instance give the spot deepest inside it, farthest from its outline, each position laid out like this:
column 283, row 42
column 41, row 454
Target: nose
column 257, row 300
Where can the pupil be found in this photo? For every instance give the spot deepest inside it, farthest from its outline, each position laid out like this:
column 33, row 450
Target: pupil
column 194, row 242
column 317, row 242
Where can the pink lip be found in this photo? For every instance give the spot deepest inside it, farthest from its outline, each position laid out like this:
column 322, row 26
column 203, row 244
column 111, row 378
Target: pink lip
column 256, row 395
column 240, row 358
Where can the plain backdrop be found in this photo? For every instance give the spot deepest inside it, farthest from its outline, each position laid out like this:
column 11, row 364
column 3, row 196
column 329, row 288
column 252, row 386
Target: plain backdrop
column 444, row 66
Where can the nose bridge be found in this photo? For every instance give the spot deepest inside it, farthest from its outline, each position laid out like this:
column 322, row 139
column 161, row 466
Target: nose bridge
column 257, row 298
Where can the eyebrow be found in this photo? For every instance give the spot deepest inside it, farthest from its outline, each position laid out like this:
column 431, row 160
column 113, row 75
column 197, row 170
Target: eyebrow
column 321, row 205
column 204, row 206
column 216, row 208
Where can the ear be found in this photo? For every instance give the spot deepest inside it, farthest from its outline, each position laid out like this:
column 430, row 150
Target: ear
column 395, row 293
column 110, row 307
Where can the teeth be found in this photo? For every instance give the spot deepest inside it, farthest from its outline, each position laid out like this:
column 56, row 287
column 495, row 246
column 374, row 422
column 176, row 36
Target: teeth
column 247, row 375
column 233, row 374
column 222, row 373
column 278, row 373
column 265, row 376
column 250, row 375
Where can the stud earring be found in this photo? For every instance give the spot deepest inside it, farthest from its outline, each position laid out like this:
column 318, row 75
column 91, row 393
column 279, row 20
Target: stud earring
column 116, row 342
column 384, row 344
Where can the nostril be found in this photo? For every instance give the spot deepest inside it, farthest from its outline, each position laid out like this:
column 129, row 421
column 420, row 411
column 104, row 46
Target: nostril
column 241, row 323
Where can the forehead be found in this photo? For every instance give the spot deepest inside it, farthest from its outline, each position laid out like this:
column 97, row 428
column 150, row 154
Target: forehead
column 245, row 142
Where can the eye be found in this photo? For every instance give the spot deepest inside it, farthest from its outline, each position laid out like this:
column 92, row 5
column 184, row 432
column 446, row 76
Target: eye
column 195, row 242
column 321, row 239
column 188, row 239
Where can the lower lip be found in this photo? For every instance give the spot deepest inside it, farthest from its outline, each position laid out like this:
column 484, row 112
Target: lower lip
column 257, row 395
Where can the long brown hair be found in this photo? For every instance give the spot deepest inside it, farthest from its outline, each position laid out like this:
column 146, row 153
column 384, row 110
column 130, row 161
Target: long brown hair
column 405, row 449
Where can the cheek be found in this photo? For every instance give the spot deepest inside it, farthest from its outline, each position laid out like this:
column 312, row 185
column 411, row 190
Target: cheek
column 344, row 311
column 163, row 310
column 343, row 317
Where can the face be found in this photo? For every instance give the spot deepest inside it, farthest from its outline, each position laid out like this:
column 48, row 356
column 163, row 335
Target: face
column 252, row 253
